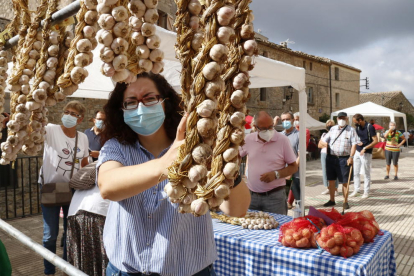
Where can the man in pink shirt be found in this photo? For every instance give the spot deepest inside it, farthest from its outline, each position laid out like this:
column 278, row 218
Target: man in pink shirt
column 271, row 159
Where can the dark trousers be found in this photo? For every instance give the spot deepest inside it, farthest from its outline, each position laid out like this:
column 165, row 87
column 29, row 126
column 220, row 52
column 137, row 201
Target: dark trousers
column 111, row 270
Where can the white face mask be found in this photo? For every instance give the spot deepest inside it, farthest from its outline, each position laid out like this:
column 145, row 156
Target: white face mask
column 392, row 127
column 296, row 123
column 341, row 123
column 267, row 134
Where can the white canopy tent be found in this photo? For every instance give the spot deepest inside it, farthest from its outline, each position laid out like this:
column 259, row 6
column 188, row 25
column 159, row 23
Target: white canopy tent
column 373, row 110
column 266, row 73
column 310, row 123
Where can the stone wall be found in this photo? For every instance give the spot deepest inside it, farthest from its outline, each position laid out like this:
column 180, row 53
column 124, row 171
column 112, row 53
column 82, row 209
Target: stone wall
column 347, row 87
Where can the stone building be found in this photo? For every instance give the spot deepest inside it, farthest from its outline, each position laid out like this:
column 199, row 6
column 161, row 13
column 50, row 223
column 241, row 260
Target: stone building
column 395, row 100
column 330, row 85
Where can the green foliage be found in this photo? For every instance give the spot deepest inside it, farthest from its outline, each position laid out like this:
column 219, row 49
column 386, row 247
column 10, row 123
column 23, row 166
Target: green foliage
column 410, row 119
column 325, row 117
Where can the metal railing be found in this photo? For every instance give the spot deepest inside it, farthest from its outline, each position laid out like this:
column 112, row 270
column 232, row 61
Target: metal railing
column 19, row 188
column 40, row 250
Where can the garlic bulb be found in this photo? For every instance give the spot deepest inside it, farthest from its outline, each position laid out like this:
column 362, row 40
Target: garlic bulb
column 197, row 172
column 194, row 23
column 213, row 88
column 24, row 79
column 120, row 13
column 121, row 29
column 237, row 98
column 148, row 29
column 101, row 8
column 211, row 70
column 174, row 192
column 119, row 45
column 81, row 60
column 44, row 85
column 135, row 23
column 107, row 69
column 237, row 118
column 188, row 184
column 197, row 40
column 202, row 154
column 237, row 136
column 68, row 91
column 105, row 37
column 214, row 202
column 225, row 35
column 49, row 76
column 206, row 127
column 90, row 4
column 157, row 67
column 142, row 51
column 194, row 7
column 34, row 54
column 84, row 45
column 153, row 42
column 156, row 55
column 247, row 31
column 240, row 81
column 137, row 7
column 120, row 62
column 219, row 53
column 231, row 170
column 206, row 108
column 137, row 38
column 222, row 191
column 230, row 154
column 39, row 95
column 52, row 62
column 107, row 55
column 225, row 14
column 246, row 63
column 31, row 63
column 145, row 64
column 59, row 96
column 78, row 75
column 120, row 76
column 106, row 21
column 250, row 47
column 199, row 207
column 151, row 4
column 91, row 17
column 151, row 16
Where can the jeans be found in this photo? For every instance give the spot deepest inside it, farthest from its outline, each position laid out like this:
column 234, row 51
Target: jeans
column 51, row 232
column 272, row 203
column 362, row 161
column 111, row 270
column 325, row 179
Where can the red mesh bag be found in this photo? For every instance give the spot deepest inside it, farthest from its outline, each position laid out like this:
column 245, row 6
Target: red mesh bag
column 331, row 213
column 300, row 233
column 339, row 240
column 363, row 221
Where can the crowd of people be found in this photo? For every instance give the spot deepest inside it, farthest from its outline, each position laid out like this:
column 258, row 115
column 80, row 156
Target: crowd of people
column 124, row 225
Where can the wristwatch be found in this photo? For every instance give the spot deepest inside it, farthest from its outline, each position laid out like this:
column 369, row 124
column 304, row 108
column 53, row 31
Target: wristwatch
column 277, row 174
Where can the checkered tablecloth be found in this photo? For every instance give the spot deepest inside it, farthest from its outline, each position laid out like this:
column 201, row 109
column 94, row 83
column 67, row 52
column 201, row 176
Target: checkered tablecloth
column 258, row 252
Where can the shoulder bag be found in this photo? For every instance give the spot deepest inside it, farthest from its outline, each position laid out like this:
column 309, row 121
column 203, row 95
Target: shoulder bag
column 58, row 194
column 85, row 178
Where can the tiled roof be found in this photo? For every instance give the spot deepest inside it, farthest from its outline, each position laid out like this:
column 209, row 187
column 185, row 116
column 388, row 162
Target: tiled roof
column 381, row 98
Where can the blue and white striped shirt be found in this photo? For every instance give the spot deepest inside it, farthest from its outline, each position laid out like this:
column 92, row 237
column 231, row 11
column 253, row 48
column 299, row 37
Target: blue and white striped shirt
column 145, row 233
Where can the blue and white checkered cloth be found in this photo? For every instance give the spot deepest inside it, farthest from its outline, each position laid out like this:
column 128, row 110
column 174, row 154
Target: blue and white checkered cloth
column 258, row 252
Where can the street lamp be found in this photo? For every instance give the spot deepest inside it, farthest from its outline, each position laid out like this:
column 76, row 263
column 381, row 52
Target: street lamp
column 287, row 97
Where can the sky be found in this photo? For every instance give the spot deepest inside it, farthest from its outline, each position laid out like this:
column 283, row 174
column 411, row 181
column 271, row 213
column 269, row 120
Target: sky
column 376, row 36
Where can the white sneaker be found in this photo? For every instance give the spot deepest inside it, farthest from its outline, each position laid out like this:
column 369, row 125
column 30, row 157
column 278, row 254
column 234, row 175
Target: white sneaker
column 354, row 194
column 325, row 192
column 365, row 195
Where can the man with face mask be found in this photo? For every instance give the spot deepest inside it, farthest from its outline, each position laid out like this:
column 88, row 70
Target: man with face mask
column 296, row 116
column 271, row 159
column 58, row 154
column 293, row 135
column 93, row 134
column 341, row 142
column 363, row 155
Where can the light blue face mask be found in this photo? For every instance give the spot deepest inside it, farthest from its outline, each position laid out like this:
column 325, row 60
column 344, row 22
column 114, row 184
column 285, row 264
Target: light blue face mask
column 69, row 121
column 287, row 124
column 99, row 124
column 145, row 120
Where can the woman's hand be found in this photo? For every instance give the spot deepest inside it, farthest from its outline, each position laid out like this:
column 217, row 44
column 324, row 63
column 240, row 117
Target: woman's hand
column 171, row 155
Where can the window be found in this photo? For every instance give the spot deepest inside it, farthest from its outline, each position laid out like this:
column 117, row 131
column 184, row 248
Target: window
column 310, row 66
column 304, row 64
column 162, row 19
column 337, row 104
column 336, row 73
column 310, row 95
column 262, row 94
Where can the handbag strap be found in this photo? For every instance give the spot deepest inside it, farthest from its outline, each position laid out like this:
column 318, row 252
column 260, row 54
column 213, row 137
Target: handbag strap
column 339, row 134
column 74, row 155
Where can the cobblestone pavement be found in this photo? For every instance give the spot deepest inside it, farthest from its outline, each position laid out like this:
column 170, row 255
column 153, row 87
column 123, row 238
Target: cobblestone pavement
column 392, row 203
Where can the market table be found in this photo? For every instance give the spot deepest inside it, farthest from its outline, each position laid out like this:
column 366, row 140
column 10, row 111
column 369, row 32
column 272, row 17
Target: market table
column 258, row 252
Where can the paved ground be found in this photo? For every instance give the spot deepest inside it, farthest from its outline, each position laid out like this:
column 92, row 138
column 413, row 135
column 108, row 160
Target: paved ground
column 392, row 203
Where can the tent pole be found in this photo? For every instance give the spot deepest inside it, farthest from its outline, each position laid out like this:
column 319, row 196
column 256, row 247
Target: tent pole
column 303, row 106
column 57, row 17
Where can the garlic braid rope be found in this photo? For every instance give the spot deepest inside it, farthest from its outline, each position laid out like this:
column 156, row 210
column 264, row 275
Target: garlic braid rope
column 19, row 86
column 189, row 172
column 114, row 35
column 3, row 77
column 80, row 54
column 53, row 96
column 189, row 39
column 225, row 161
column 44, row 77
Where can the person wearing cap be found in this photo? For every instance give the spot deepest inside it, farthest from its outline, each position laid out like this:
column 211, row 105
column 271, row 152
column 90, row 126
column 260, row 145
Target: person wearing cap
column 271, row 159
column 341, row 142
column 93, row 134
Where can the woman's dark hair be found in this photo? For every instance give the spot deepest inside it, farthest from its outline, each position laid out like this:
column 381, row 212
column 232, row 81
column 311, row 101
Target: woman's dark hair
column 115, row 127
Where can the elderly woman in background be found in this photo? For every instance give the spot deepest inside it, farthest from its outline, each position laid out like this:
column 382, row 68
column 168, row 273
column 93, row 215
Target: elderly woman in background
column 329, row 124
column 392, row 148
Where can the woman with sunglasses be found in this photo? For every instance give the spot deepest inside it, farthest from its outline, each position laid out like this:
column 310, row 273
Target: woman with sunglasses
column 144, row 233
column 58, row 154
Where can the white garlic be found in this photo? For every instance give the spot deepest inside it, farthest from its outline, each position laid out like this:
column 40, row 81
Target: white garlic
column 250, row 47
column 148, row 29
column 52, row 62
column 59, row 96
column 213, row 88
column 120, row 62
column 225, row 35
column 34, row 54
column 206, row 127
column 78, row 75
column 188, row 184
column 120, row 76
column 137, row 7
column 199, row 207
column 194, row 23
column 151, row 16
column 237, row 98
column 222, row 191
column 137, row 38
column 174, row 192
column 246, row 63
column 197, row 172
column 157, row 67
column 109, row 2
column 120, row 13
column 211, row 70
column 197, row 40
column 214, row 202
column 106, row 21
column 145, row 64
column 219, row 53
column 156, row 55
column 135, row 23
column 151, row 4
column 91, row 17
column 153, row 42
column 24, row 79
column 81, row 60
column 142, row 51
column 121, row 29
column 105, row 37
column 247, row 31
column 107, row 55
column 90, row 4
column 101, row 8
column 230, row 154
column 202, row 154
column 31, row 63
column 237, row 119
column 49, row 76
column 225, row 14
column 119, row 45
column 84, row 45
column 206, row 108
column 194, row 7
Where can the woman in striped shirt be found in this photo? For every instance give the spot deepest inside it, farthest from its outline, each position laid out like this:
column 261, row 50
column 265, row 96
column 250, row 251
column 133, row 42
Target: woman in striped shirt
column 144, row 233
column 392, row 148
